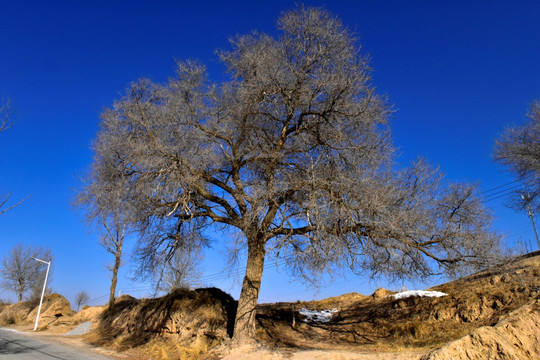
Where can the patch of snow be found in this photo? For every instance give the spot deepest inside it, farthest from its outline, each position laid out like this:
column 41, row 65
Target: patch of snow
column 322, row 316
column 409, row 293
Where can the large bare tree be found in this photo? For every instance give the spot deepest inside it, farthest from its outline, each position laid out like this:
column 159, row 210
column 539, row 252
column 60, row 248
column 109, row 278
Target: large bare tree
column 519, row 149
column 20, row 272
column 293, row 153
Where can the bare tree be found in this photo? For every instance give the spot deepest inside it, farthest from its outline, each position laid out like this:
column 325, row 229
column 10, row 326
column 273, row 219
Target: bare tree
column 20, row 272
column 106, row 210
column 519, row 149
column 5, row 124
column 293, row 152
column 82, row 298
column 36, row 290
column 112, row 240
column 180, row 270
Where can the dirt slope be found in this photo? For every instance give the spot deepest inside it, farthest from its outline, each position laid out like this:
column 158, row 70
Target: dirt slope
column 514, row 337
column 88, row 313
column 493, row 312
column 490, row 315
column 54, row 307
column 382, row 322
column 183, row 323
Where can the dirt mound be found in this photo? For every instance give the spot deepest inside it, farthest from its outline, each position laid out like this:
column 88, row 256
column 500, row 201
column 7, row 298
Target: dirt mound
column 54, row 306
column 3, row 305
column 15, row 314
column 514, row 337
column 184, row 317
column 335, row 301
column 88, row 313
column 382, row 322
column 124, row 298
column 381, row 293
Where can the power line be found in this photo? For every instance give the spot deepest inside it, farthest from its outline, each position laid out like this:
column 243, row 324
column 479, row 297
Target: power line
column 526, row 179
column 204, row 279
column 505, row 191
column 517, row 234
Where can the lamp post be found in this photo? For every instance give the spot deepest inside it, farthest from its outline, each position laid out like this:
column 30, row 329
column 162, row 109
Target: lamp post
column 527, row 199
column 43, row 292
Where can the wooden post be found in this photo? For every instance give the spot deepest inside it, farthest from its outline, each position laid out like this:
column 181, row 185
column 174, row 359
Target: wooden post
column 293, row 319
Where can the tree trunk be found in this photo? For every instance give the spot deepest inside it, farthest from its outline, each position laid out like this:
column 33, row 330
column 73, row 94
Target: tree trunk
column 244, row 325
column 114, row 279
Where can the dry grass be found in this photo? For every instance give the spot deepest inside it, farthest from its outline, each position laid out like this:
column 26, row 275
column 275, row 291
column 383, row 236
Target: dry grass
column 169, row 349
column 15, row 314
column 411, row 323
column 336, row 301
column 189, row 324
column 182, row 325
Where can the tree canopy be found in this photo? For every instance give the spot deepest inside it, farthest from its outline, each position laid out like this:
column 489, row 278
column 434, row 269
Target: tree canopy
column 519, row 149
column 293, row 152
column 20, row 272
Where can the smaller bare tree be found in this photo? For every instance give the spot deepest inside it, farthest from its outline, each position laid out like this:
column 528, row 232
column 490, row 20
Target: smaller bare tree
column 37, row 288
column 5, row 123
column 110, row 212
column 5, row 110
column 180, row 270
column 20, row 272
column 112, row 240
column 81, row 299
column 519, row 150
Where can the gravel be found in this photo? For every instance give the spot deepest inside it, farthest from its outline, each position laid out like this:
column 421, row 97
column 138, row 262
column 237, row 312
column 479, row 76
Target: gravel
column 81, row 329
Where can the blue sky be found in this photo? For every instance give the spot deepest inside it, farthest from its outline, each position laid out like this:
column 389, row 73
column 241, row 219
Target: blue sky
column 457, row 73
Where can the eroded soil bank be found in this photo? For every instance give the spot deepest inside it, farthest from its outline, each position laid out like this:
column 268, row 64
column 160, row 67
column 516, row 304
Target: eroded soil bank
column 489, row 315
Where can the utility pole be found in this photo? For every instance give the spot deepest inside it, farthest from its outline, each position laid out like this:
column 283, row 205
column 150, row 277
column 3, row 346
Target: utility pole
column 530, row 212
column 43, row 292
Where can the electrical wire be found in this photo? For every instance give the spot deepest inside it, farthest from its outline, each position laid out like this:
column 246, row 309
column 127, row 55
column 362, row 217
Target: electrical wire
column 203, row 280
column 504, row 190
column 488, row 195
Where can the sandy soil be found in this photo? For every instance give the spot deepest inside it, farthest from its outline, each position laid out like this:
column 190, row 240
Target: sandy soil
column 259, row 353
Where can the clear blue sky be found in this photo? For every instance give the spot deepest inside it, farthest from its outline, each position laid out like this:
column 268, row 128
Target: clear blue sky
column 457, row 73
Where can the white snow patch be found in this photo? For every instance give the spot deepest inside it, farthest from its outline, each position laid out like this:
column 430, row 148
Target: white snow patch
column 317, row 316
column 409, row 293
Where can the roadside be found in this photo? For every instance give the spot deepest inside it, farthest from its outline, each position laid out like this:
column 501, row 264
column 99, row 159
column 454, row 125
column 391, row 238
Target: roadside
column 484, row 312
column 20, row 343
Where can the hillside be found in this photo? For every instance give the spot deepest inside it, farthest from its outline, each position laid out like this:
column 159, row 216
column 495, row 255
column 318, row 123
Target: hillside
column 380, row 321
column 489, row 315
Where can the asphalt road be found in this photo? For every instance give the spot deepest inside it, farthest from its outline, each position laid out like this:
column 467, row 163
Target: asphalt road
column 18, row 346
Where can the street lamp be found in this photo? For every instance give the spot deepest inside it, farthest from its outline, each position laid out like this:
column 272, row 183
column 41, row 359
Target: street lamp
column 527, row 199
column 44, row 286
